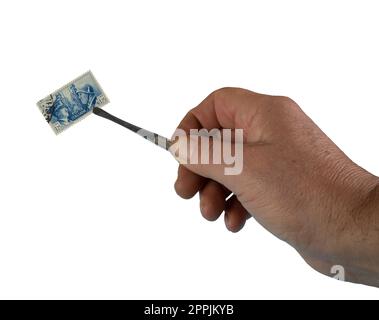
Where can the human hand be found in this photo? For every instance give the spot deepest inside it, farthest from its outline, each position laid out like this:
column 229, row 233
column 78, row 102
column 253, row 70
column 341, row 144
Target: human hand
column 295, row 182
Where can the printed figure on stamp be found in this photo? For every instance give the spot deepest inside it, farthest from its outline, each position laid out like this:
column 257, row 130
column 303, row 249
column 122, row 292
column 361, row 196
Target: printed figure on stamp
column 72, row 102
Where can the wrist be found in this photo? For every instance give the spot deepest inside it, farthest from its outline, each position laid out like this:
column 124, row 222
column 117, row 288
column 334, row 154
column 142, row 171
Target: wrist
column 358, row 226
column 346, row 232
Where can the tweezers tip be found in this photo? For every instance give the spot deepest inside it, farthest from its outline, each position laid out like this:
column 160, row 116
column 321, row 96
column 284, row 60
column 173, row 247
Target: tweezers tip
column 96, row 110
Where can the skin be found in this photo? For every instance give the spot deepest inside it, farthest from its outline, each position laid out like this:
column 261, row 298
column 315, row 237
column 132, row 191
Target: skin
column 295, row 182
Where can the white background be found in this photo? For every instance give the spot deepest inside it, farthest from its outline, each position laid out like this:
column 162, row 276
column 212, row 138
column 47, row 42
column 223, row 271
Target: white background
column 92, row 213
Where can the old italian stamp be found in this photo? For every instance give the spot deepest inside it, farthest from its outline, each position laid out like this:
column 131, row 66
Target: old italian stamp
column 72, row 102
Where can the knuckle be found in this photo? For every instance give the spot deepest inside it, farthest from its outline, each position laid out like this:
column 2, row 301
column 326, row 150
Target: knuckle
column 182, row 191
column 285, row 101
column 228, row 89
column 221, row 92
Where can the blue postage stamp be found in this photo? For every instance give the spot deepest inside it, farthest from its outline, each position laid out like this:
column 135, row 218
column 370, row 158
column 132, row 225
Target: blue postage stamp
column 72, row 102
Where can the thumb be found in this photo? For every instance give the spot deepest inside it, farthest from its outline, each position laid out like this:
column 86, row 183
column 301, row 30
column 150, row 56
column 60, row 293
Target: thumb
column 216, row 155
